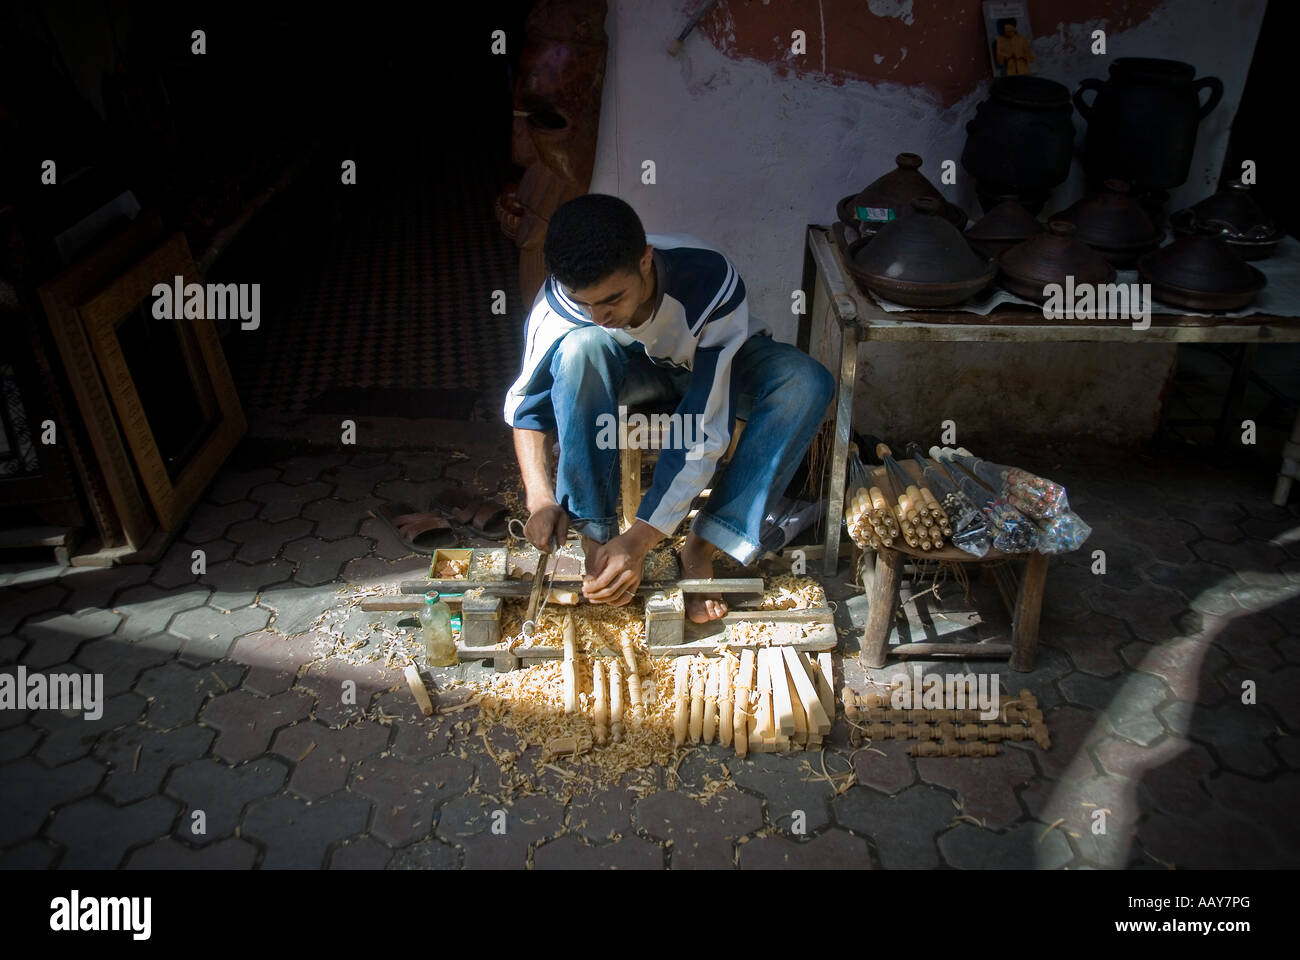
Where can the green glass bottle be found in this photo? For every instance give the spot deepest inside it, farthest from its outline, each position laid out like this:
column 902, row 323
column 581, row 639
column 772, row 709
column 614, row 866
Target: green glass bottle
column 435, row 622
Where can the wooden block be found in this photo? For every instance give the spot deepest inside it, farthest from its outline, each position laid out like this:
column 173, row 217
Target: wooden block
column 418, row 690
column 825, row 681
column 806, row 694
column 782, row 708
column 800, row 734
column 764, row 728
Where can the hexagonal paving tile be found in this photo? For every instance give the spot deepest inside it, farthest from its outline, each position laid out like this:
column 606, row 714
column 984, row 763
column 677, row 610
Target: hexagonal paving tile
column 1237, row 734
column 273, row 660
column 360, row 853
column 210, row 521
column 903, row 826
column 92, row 588
column 232, row 484
column 832, row 850
column 319, row 561
column 120, row 663
column 1129, row 705
column 985, row 787
column 259, row 540
column 1149, row 611
column 138, row 761
column 176, row 692
column 248, row 722
column 209, row 634
column 296, row 608
column 570, row 853
column 1029, row 846
column 770, row 775
column 306, row 468
column 97, row 835
column 220, row 793
column 30, row 791
column 54, row 640
column 169, row 853
column 71, row 737
column 237, row 584
column 280, row 501
column 338, row 518
column 495, row 837
column 322, row 756
column 405, row 794
column 297, row 834
column 149, row 609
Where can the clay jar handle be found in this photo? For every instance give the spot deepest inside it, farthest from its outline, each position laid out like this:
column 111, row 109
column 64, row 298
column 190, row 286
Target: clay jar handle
column 1215, row 86
column 1085, row 109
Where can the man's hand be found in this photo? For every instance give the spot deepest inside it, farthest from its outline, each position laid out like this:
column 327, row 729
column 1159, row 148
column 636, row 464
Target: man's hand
column 546, row 523
column 614, row 571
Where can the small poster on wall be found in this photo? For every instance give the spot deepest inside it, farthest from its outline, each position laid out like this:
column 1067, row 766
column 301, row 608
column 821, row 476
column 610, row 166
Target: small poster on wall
column 1007, row 24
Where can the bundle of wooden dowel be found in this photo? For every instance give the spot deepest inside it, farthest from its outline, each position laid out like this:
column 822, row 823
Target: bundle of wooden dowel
column 875, row 520
column 768, row 700
column 873, row 716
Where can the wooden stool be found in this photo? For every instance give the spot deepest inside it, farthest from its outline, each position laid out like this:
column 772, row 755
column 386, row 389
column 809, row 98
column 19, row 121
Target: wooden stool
column 630, row 459
column 1023, row 599
column 1025, row 608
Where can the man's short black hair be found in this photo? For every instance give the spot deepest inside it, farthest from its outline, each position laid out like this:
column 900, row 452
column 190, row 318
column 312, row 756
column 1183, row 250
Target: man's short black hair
column 591, row 237
column 1002, row 24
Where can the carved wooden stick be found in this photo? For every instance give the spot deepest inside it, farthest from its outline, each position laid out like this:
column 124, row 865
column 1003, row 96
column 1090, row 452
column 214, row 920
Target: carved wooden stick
column 681, row 701
column 697, row 703
column 635, row 709
column 711, row 702
column 726, row 700
column 744, row 708
column 600, row 712
column 569, row 669
column 616, row 699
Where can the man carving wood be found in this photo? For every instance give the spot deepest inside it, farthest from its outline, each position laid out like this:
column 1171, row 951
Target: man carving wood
column 627, row 319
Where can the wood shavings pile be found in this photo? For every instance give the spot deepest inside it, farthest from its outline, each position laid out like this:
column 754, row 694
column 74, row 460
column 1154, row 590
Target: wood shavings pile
column 599, row 627
column 788, row 592
column 451, row 569
column 371, row 643
column 487, row 565
column 530, row 703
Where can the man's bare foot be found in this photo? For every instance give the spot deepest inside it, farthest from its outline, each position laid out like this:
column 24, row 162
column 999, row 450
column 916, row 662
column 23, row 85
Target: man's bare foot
column 697, row 564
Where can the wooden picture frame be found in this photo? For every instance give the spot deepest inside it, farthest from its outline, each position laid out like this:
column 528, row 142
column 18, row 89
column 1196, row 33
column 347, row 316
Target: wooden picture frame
column 117, row 504
column 205, row 362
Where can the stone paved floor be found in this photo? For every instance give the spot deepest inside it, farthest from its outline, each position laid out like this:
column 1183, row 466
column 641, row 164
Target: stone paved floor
column 210, row 714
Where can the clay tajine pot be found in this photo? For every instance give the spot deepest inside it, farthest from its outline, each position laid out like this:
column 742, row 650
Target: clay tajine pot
column 1049, row 258
column 1247, row 229
column 890, row 197
column 1006, row 224
column 921, row 260
column 1201, row 272
column 1113, row 224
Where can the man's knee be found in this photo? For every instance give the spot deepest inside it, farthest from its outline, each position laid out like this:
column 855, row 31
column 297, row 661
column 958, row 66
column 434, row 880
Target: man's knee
column 814, row 382
column 583, row 349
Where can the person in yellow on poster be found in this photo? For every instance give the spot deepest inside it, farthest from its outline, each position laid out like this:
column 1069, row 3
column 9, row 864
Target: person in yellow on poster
column 1013, row 53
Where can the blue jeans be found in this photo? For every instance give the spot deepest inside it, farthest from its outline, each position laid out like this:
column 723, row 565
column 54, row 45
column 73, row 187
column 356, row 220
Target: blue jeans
column 782, row 394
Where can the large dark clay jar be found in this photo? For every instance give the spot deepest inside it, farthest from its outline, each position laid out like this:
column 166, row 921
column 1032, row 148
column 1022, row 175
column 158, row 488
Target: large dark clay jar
column 1142, row 123
column 1020, row 141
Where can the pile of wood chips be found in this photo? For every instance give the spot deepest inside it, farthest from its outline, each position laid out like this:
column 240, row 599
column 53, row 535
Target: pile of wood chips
column 789, row 592
column 449, row 569
column 601, row 628
column 530, row 703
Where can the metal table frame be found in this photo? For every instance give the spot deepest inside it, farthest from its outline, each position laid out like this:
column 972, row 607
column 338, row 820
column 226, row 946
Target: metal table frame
column 842, row 318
